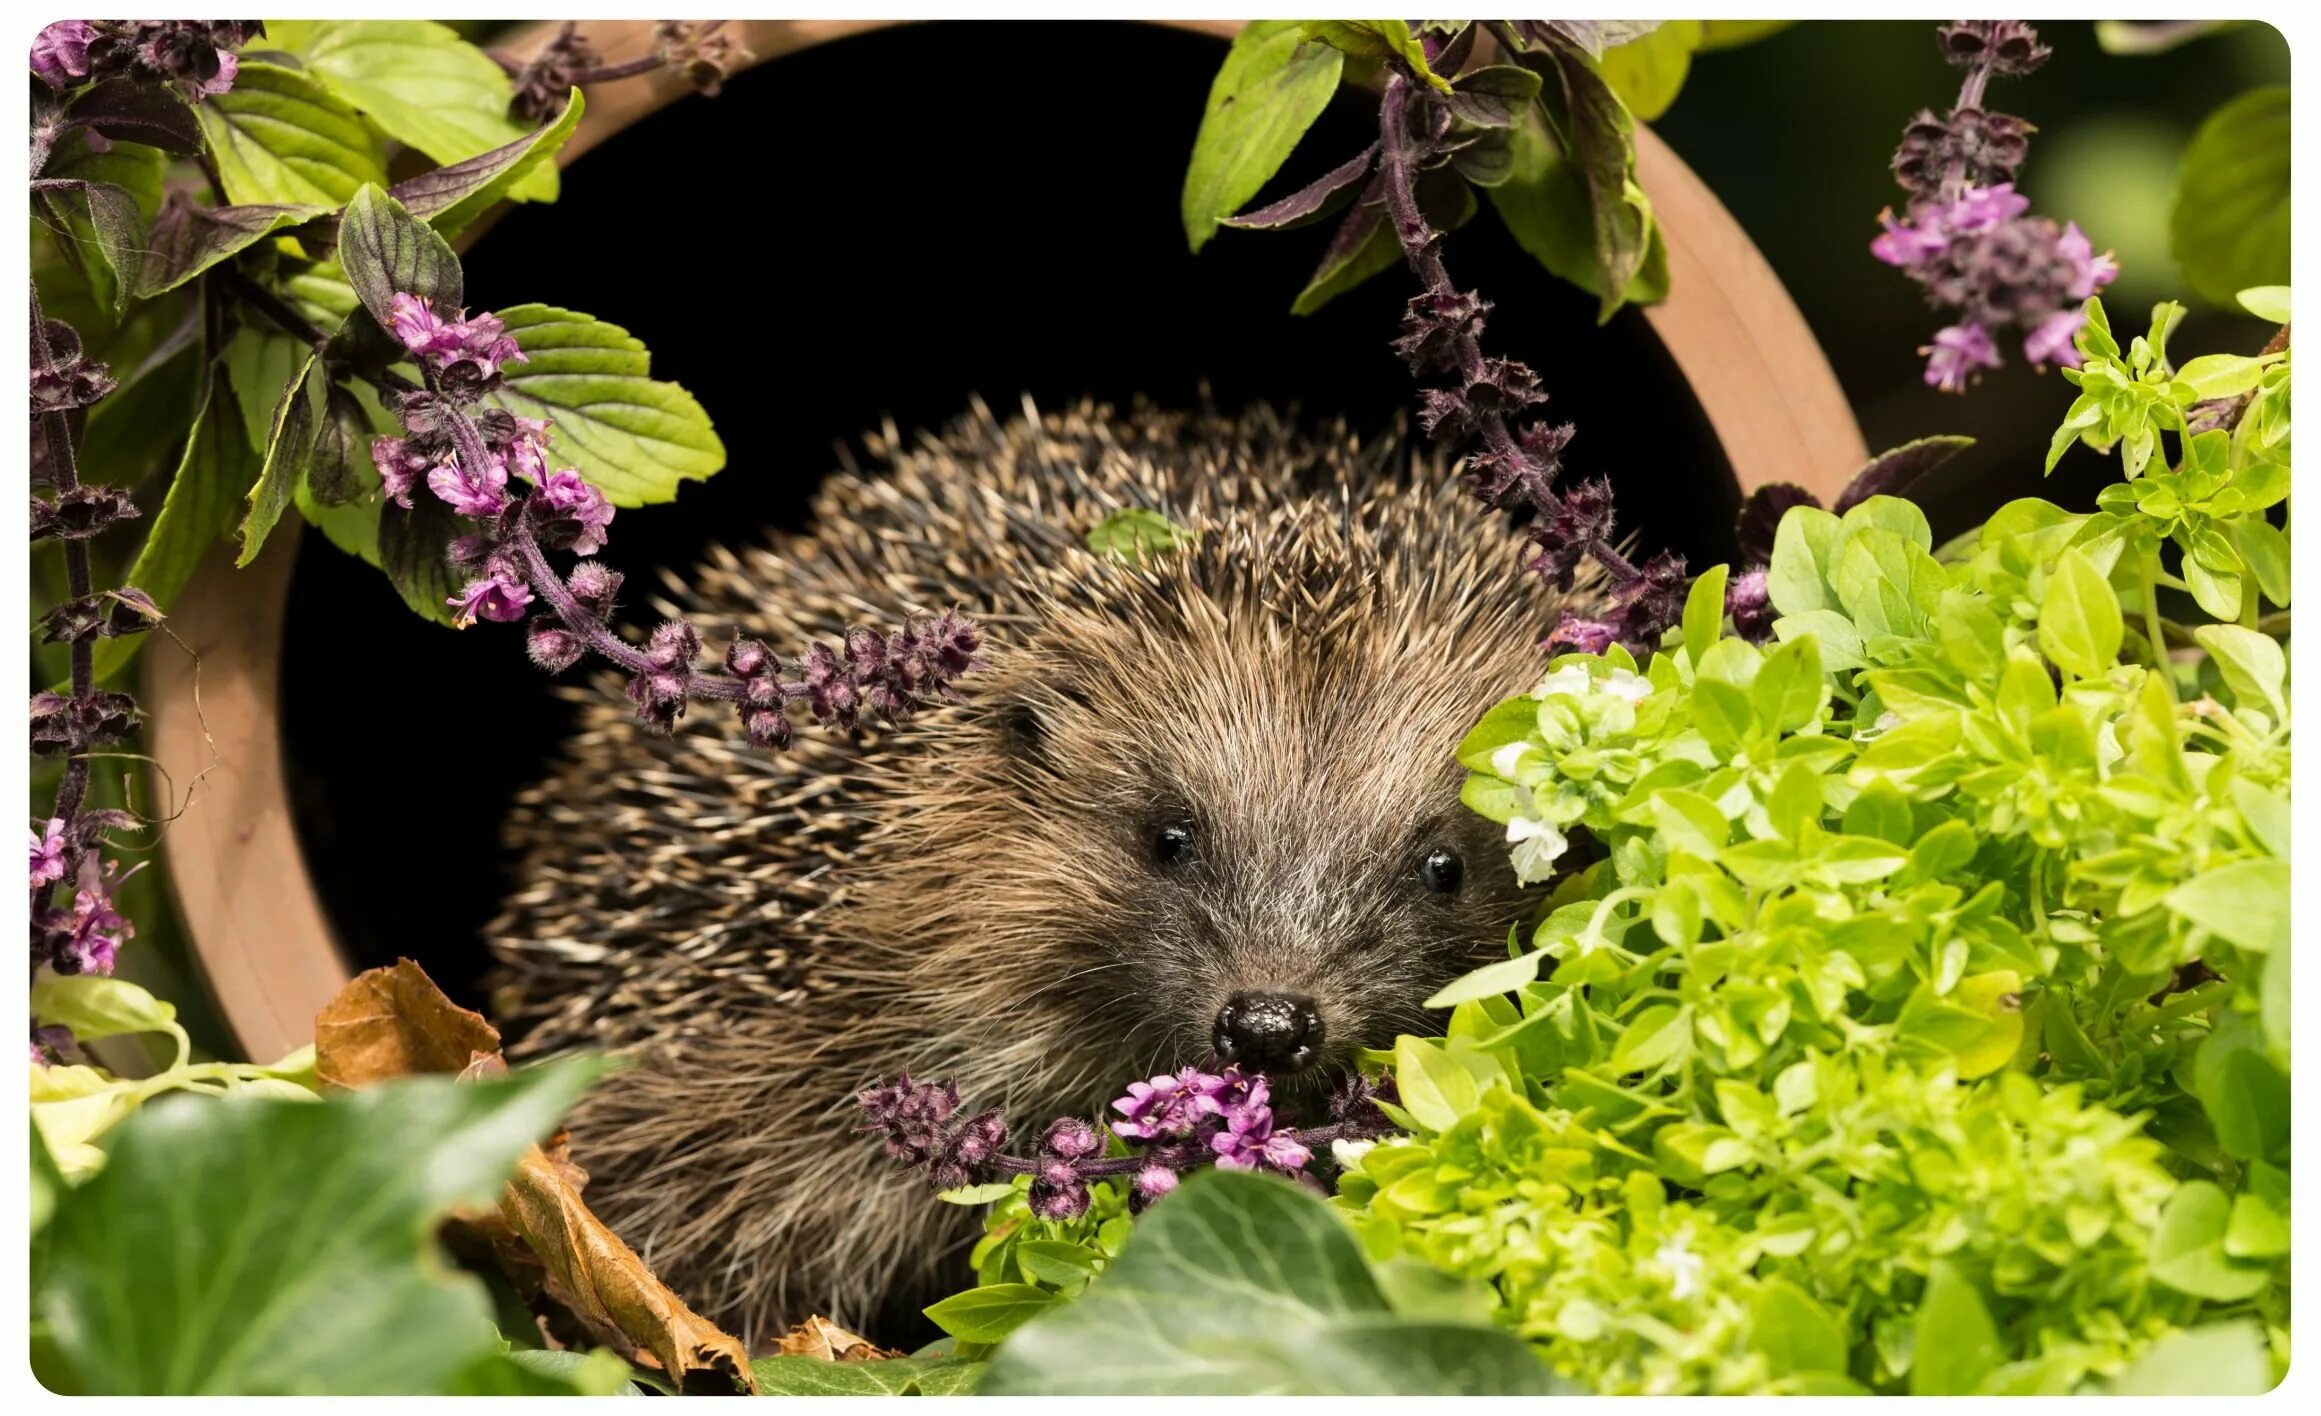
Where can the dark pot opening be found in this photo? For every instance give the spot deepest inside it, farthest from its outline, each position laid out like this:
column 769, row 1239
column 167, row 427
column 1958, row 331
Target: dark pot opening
column 1017, row 237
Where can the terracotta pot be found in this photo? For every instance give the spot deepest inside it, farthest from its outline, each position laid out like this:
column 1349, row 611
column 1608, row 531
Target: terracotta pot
column 258, row 930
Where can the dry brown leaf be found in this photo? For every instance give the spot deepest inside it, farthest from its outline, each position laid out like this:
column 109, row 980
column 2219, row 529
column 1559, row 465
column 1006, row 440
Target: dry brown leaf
column 393, row 1022
column 826, row 1341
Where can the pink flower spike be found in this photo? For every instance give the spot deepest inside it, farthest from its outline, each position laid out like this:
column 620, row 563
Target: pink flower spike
column 1980, row 208
column 2091, row 272
column 2051, row 342
column 1903, row 244
column 569, row 494
column 413, row 321
column 48, row 853
column 497, row 597
column 483, row 495
column 1957, row 356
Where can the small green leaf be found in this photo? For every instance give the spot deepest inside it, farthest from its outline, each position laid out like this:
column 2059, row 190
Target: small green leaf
column 2269, row 303
column 1805, row 550
column 2188, row 1248
column 1273, row 85
column 1489, row 981
column 2213, row 1360
column 2246, row 902
column 1788, row 690
column 1795, row 1333
column 1377, row 39
column 1652, row 1038
column 1648, row 71
column 990, row 1313
column 1435, row 1088
column 2252, row 664
column 1957, row 1345
column 2080, row 627
column 976, row 1194
column 1704, row 612
column 386, row 251
column 1056, row 1262
column 289, row 450
column 1136, row 534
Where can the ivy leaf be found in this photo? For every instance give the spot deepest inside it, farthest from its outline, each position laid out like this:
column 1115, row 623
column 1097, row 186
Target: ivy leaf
column 636, row 438
column 1245, row 1284
column 897, row 1376
column 1273, row 85
column 385, row 249
column 451, row 197
column 295, row 1237
column 187, row 239
column 420, row 83
column 298, row 416
column 1649, row 70
column 129, row 110
column 2230, row 226
column 278, row 136
column 217, row 466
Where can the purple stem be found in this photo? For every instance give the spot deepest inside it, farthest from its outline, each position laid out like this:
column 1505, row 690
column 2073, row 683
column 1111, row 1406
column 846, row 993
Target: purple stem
column 56, row 429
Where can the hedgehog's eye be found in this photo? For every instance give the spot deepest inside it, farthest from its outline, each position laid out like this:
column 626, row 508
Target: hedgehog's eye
column 1441, row 871
column 1173, row 844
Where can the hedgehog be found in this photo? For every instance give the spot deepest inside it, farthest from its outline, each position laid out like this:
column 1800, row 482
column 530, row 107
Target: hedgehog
column 1198, row 801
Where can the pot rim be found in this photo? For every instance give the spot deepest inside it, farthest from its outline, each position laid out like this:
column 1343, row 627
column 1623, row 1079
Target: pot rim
column 255, row 925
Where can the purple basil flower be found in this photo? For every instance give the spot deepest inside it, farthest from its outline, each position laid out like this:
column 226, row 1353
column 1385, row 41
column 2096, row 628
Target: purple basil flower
column 1169, row 1107
column 1154, row 1181
column 499, row 596
column 60, row 53
column 527, row 454
column 400, row 469
column 482, row 340
column 1981, row 208
column 90, row 937
column 1904, row 244
column 2090, row 272
column 1248, row 1141
column 1071, row 1138
column 2051, row 343
column 482, row 492
column 1750, row 602
column 1583, row 636
column 48, row 854
column 1958, row 356
column 569, row 495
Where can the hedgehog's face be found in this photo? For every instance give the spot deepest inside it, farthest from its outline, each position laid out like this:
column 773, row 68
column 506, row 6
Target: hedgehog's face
column 1223, row 842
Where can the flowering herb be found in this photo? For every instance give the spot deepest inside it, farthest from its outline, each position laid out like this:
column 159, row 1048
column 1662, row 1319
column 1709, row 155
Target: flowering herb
column 694, row 48
column 1966, row 235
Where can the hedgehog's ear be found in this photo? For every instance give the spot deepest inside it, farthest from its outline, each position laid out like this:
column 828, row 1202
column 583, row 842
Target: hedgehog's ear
column 1024, row 714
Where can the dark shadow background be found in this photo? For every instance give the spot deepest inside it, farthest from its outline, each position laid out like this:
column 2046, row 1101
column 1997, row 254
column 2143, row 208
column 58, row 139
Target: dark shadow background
column 882, row 227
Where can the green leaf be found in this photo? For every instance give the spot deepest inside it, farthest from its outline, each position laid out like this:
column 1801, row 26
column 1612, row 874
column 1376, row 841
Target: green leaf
column 1648, row 71
column 2246, row 902
column 1544, row 205
column 976, row 1194
column 2218, row 376
column 97, row 1006
column 1273, row 85
column 117, row 232
column 1055, row 1261
column 1957, row 1345
column 2188, row 1248
column 1704, row 612
column 2264, row 549
column 2252, row 664
column 414, row 551
column 419, row 82
column 898, row 1376
column 187, row 239
column 1505, row 976
column 1377, row 39
column 217, row 467
column 1436, row 1089
column 289, row 449
column 385, row 250
column 1245, row 1284
column 280, row 137
column 1652, row 1038
column 1599, row 136
column 2080, row 627
column 991, row 1312
column 2269, row 303
column 2230, row 226
column 1805, row 551
column 2216, row 1359
column 634, row 437
column 453, row 196
column 515, row 1371
column 1795, row 1333
column 249, row 1246
column 1134, row 534
column 1788, row 690
column 2245, row 1095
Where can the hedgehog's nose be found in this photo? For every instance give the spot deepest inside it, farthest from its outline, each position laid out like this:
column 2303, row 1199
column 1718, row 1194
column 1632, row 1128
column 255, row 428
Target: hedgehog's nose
column 1271, row 1032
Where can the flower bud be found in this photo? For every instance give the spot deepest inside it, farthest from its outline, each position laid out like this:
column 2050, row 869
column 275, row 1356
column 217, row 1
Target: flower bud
column 674, row 645
column 767, row 728
column 553, row 647
column 748, row 658
column 594, row 585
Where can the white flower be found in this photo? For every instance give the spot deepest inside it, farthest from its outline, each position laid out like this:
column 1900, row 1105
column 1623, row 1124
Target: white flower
column 1628, row 684
column 1508, row 760
column 1573, row 679
column 1537, row 844
column 1683, row 1266
column 1349, row 1153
